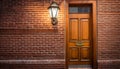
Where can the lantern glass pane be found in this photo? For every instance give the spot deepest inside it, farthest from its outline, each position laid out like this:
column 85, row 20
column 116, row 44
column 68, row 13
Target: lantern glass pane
column 54, row 12
column 50, row 11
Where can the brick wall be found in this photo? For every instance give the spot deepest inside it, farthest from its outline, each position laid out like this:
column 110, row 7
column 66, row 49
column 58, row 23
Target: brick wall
column 27, row 33
column 29, row 40
column 108, row 34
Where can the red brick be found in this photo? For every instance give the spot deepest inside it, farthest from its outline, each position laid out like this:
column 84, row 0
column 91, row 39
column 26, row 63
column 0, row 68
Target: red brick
column 108, row 34
column 26, row 32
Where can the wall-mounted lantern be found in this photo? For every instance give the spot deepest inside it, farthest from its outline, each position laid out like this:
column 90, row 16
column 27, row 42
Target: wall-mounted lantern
column 53, row 10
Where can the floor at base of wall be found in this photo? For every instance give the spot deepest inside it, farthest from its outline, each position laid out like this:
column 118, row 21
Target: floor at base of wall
column 32, row 66
column 80, row 67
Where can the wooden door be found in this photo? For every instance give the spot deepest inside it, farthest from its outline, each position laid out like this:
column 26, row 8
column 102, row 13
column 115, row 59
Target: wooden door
column 79, row 44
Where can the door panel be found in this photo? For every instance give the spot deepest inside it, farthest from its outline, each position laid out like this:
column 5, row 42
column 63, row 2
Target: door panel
column 73, row 29
column 85, row 54
column 84, row 29
column 74, row 54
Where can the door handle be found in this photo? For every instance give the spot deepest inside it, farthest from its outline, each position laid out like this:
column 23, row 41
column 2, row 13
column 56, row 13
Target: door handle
column 79, row 44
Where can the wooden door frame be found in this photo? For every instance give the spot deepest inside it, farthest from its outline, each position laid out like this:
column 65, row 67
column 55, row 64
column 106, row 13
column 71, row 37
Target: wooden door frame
column 94, row 32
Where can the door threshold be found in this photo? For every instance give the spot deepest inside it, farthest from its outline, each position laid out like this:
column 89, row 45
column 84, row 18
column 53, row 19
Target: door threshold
column 79, row 67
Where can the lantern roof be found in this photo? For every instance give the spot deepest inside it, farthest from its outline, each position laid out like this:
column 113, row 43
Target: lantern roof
column 54, row 5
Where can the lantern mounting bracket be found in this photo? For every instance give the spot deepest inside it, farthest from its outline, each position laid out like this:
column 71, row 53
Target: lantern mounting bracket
column 54, row 21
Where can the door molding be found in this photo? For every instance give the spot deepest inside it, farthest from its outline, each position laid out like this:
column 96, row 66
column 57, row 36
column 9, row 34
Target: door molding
column 94, row 29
